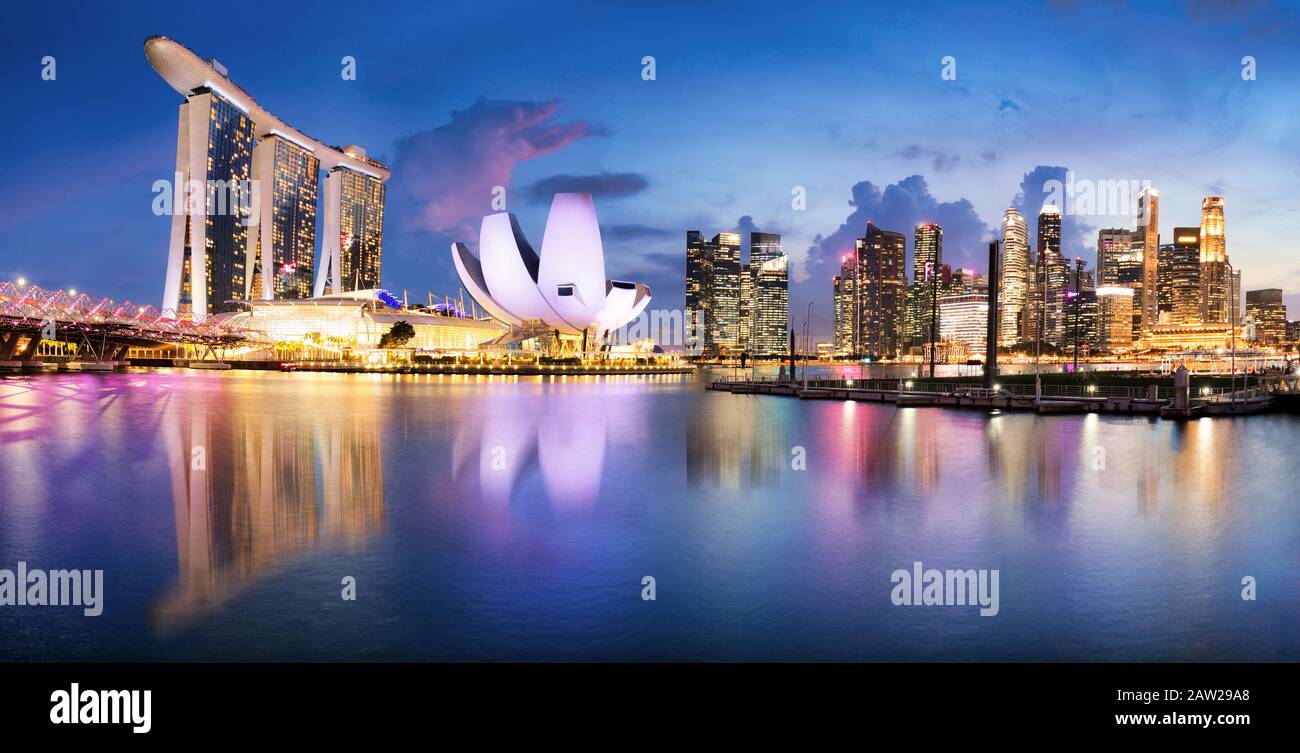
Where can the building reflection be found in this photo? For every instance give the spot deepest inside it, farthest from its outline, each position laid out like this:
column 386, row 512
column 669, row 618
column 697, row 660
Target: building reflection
column 563, row 437
column 253, row 491
column 729, row 445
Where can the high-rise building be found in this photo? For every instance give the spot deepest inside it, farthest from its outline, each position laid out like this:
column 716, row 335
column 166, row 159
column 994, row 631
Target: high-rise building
column 207, row 258
column 1112, row 244
column 1052, row 276
column 1216, row 280
column 699, row 301
column 768, row 310
column 881, row 259
column 352, row 253
column 927, row 258
column 964, row 318
column 252, row 229
column 283, row 243
column 713, row 292
column 1114, row 318
column 1185, row 276
column 1269, row 312
column 846, row 310
column 1149, row 230
column 1013, row 294
column 746, row 310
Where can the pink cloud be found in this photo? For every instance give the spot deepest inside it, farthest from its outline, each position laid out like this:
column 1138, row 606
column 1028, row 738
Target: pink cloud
column 443, row 178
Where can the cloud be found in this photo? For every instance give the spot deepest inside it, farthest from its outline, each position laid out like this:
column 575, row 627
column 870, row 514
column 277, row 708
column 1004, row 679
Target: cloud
column 443, row 178
column 632, row 232
column 941, row 161
column 899, row 207
column 602, row 186
column 1075, row 234
column 1008, row 104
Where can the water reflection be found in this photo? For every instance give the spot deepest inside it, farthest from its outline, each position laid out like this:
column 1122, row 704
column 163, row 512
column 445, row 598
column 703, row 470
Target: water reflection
column 253, row 491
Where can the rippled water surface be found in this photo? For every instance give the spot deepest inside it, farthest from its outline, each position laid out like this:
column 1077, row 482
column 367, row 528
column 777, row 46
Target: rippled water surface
column 515, row 518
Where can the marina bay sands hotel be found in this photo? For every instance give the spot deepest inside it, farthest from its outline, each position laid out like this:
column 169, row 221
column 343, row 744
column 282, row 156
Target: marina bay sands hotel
column 263, row 244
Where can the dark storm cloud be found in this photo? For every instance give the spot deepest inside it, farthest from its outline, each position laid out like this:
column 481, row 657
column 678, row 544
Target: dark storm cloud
column 602, row 186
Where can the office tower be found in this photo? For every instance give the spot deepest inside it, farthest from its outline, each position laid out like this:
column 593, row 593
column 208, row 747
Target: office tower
column 207, row 255
column 713, row 292
column 1112, row 244
column 1165, row 284
column 1293, row 331
column 282, row 241
column 699, row 304
column 1114, row 318
column 726, row 290
column 1013, row 294
column 923, row 304
column 1235, row 299
column 1185, row 276
column 963, row 318
column 882, row 256
column 1269, row 312
column 769, row 295
column 1052, row 275
column 1149, row 230
column 746, row 311
column 255, row 233
column 1216, row 280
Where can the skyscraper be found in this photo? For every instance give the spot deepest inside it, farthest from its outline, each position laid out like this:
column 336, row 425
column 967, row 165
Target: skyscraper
column 1013, row 294
column 1269, row 312
column 1052, row 274
column 283, row 244
column 713, row 293
column 1185, row 276
column 352, row 254
column 206, row 262
column 769, row 299
column 252, row 230
column 1149, row 230
column 882, row 256
column 927, row 256
column 1114, row 318
column 1216, row 281
column 1112, row 243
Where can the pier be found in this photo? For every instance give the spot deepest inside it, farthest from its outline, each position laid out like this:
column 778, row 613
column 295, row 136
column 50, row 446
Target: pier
column 1156, row 400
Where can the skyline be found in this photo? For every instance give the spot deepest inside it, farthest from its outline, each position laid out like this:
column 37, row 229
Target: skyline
column 539, row 123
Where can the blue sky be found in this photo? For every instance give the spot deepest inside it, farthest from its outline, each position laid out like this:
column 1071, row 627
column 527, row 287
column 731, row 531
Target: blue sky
column 750, row 100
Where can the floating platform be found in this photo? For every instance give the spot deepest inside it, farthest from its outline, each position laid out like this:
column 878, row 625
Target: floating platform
column 1004, row 400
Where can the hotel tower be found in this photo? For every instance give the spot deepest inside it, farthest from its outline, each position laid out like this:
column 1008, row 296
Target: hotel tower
column 244, row 224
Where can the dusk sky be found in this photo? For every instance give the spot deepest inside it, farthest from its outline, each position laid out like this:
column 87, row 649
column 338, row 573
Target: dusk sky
column 749, row 101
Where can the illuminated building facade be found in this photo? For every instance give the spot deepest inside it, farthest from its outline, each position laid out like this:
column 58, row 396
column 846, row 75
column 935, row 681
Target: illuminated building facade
column 1269, row 312
column 1114, row 318
column 207, row 255
column 881, row 259
column 1051, row 279
column 1149, row 231
column 1013, row 295
column 846, row 310
column 352, row 254
column 769, row 297
column 1185, row 276
column 964, row 319
column 255, row 233
column 1112, row 244
column 1216, row 279
column 283, row 242
column 713, row 285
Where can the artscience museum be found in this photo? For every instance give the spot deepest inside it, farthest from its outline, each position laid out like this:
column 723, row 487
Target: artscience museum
column 560, row 297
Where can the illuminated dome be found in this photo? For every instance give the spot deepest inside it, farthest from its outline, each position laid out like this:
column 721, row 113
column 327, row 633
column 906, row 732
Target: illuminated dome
column 565, row 287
